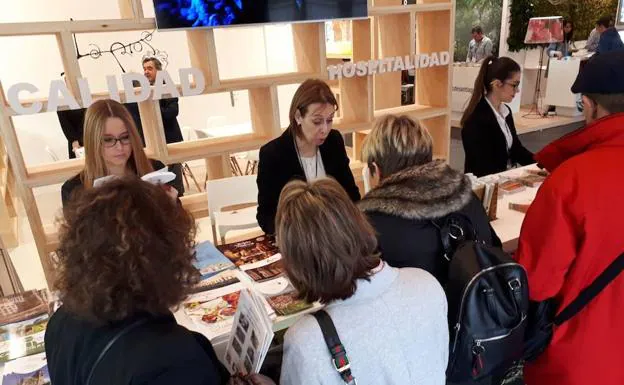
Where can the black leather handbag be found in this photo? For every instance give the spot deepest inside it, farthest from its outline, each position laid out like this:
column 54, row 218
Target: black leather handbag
column 543, row 317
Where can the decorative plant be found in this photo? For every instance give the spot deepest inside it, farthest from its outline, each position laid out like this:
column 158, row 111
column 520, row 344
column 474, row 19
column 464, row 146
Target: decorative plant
column 521, row 11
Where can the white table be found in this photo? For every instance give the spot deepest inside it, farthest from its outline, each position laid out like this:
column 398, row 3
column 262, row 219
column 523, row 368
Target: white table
column 509, row 222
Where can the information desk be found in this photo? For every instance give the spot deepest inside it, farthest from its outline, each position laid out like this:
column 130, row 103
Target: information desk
column 509, row 222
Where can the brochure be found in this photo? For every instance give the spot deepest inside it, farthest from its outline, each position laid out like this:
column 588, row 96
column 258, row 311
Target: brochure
column 210, row 261
column 250, row 251
column 31, row 370
column 250, row 336
column 22, row 306
column 214, row 310
column 23, row 338
column 288, row 304
column 158, row 177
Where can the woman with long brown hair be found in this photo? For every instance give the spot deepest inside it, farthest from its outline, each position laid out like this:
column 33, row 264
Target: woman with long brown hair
column 391, row 322
column 488, row 130
column 309, row 149
column 112, row 147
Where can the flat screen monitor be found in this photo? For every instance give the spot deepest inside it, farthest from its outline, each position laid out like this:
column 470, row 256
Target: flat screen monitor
column 184, row 14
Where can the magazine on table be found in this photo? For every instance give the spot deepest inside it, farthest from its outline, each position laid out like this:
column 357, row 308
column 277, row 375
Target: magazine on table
column 210, row 261
column 27, row 370
column 214, row 310
column 250, row 336
column 222, row 279
column 23, row 338
column 250, row 251
column 23, row 306
column 288, row 304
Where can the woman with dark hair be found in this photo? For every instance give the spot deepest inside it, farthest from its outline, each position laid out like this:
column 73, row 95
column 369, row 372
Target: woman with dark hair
column 391, row 322
column 309, row 149
column 125, row 259
column 488, row 131
column 566, row 47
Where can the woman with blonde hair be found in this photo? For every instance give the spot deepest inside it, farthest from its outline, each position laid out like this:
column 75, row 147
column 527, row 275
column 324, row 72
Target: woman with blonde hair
column 391, row 322
column 415, row 196
column 112, row 147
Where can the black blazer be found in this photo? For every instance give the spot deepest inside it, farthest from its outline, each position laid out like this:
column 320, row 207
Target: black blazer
column 279, row 164
column 485, row 145
column 74, row 185
column 72, row 125
column 159, row 352
column 169, row 110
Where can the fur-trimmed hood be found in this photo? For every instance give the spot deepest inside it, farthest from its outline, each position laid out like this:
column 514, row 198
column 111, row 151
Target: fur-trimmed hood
column 427, row 191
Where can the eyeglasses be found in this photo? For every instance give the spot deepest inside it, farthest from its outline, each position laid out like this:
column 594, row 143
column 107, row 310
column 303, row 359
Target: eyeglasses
column 111, row 141
column 514, row 85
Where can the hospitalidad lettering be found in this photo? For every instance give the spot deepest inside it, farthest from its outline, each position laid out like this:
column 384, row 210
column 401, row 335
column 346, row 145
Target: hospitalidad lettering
column 392, row 64
column 192, row 82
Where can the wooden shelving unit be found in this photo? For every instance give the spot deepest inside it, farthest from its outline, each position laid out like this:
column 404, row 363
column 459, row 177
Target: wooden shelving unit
column 391, row 30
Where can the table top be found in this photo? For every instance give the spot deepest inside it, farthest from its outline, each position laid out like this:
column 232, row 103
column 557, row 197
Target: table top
column 509, row 222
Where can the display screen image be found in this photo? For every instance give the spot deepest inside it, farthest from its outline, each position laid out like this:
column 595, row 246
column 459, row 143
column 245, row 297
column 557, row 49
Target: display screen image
column 181, row 14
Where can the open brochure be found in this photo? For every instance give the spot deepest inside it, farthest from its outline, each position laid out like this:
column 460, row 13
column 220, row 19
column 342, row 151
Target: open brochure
column 158, row 177
column 27, row 370
column 250, row 336
column 23, row 338
column 214, row 310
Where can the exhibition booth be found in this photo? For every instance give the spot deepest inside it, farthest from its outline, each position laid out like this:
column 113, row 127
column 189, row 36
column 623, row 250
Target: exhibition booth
column 234, row 85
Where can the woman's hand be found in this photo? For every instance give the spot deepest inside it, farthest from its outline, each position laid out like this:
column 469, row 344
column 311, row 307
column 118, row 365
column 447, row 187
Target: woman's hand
column 252, row 379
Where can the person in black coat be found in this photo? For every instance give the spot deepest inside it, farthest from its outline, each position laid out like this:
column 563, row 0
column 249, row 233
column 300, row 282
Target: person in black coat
column 489, row 136
column 112, row 147
column 72, row 122
column 309, row 149
column 411, row 192
column 125, row 258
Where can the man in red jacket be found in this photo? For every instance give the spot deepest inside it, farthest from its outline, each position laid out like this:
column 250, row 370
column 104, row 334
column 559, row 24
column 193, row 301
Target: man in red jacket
column 574, row 230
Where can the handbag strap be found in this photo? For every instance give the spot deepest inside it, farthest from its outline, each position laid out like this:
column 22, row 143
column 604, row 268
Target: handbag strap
column 453, row 227
column 110, row 344
column 591, row 291
column 336, row 349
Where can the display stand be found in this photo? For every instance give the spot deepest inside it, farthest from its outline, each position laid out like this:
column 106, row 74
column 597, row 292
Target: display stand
column 535, row 112
column 392, row 30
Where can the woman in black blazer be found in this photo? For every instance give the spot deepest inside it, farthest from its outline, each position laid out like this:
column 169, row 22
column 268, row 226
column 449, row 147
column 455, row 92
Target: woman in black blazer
column 309, row 149
column 488, row 131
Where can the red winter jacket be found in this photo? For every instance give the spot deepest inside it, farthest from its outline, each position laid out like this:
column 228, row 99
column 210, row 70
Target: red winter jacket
column 573, row 230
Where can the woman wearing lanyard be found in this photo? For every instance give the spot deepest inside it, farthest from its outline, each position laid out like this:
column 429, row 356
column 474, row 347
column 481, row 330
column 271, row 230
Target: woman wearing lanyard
column 488, row 131
column 309, row 149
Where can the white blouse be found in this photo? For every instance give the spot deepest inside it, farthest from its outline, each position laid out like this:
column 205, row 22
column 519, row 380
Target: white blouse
column 501, row 115
column 313, row 167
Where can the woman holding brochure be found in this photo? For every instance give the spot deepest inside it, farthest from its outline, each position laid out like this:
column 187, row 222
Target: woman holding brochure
column 112, row 147
column 391, row 322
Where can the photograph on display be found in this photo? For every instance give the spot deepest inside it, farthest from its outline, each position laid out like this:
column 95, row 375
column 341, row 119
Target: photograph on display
column 287, row 304
column 214, row 310
column 250, row 251
column 177, row 14
column 544, row 30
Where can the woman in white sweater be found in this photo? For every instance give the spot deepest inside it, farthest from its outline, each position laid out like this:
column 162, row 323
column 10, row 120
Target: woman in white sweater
column 391, row 322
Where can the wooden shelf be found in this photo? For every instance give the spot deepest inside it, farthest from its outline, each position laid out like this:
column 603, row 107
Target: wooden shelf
column 81, row 26
column 396, row 9
column 414, row 111
column 347, row 128
column 53, row 173
column 265, row 81
column 205, row 148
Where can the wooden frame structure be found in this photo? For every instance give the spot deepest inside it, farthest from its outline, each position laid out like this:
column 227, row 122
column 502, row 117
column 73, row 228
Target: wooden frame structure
column 391, row 30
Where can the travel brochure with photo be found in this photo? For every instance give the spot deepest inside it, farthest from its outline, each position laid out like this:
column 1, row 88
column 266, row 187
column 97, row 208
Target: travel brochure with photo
column 265, row 270
column 32, row 370
column 22, row 306
column 214, row 310
column 288, row 304
column 210, row 261
column 23, row 338
column 250, row 251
